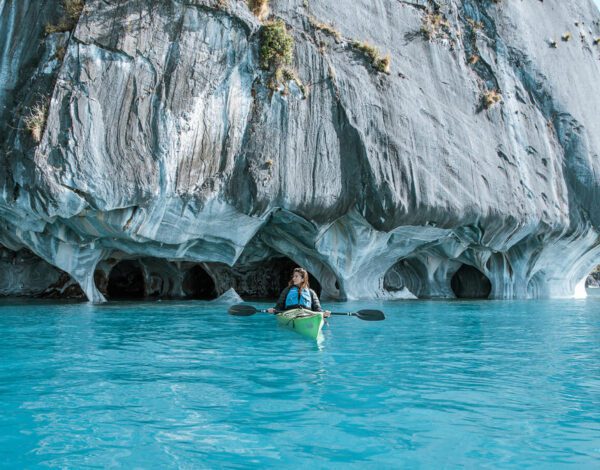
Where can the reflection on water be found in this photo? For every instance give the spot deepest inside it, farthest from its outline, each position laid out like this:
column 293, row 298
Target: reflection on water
column 183, row 384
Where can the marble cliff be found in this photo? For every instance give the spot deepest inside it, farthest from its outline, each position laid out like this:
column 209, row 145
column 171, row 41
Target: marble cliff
column 456, row 157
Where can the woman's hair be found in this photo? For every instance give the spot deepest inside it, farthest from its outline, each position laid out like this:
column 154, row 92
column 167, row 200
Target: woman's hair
column 304, row 275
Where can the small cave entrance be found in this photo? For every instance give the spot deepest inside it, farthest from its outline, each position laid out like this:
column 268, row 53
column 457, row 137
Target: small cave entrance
column 126, row 281
column 470, row 283
column 197, row 284
column 406, row 273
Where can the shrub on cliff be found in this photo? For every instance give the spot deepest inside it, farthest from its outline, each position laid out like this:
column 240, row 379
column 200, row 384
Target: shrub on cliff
column 276, row 46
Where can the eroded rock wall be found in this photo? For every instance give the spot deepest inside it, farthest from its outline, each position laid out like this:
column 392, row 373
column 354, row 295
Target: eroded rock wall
column 164, row 141
column 23, row 274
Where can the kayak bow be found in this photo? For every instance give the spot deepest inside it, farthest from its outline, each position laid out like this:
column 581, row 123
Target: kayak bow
column 305, row 322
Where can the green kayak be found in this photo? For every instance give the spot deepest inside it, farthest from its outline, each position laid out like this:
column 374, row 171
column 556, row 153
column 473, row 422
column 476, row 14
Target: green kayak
column 305, row 322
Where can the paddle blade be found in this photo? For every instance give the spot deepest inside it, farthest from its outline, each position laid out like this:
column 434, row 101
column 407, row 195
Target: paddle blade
column 370, row 315
column 242, row 310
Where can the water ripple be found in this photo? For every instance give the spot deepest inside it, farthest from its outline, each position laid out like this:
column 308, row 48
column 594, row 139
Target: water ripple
column 184, row 385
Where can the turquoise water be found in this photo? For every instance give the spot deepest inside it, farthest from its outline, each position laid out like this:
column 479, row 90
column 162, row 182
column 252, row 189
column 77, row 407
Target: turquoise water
column 184, row 385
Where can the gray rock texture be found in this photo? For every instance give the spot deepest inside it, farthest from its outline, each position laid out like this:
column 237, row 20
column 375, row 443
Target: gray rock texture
column 593, row 280
column 25, row 275
column 165, row 153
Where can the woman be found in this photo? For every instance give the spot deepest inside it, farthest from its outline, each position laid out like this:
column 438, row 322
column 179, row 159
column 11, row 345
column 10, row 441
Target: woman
column 298, row 294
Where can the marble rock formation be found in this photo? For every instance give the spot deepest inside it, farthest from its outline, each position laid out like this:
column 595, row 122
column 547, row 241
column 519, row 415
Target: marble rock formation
column 593, row 280
column 459, row 160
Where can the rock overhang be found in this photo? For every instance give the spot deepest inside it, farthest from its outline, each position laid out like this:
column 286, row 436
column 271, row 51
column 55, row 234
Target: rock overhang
column 164, row 142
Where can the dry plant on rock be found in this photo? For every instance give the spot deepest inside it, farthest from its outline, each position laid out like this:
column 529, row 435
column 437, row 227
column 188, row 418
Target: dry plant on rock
column 72, row 11
column 490, row 98
column 434, row 25
column 35, row 121
column 260, row 8
column 381, row 64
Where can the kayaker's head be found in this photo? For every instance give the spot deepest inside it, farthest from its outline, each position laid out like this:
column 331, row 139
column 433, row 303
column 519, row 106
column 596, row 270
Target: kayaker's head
column 299, row 278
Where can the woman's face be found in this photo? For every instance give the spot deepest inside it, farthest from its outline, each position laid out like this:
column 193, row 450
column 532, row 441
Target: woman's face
column 297, row 279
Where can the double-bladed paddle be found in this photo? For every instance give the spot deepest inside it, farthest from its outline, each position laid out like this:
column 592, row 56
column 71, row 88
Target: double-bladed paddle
column 245, row 310
column 367, row 315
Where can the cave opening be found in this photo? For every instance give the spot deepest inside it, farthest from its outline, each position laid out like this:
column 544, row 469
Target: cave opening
column 126, row 281
column 266, row 279
column 197, row 284
column 406, row 274
column 470, row 283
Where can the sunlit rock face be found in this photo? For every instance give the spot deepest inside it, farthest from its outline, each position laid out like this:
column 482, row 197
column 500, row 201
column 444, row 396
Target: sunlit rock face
column 167, row 167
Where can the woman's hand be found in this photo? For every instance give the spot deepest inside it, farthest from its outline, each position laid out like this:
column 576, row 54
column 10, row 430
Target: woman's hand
column 326, row 314
column 271, row 310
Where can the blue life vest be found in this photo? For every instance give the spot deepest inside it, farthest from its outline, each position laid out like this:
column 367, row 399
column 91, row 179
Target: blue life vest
column 294, row 298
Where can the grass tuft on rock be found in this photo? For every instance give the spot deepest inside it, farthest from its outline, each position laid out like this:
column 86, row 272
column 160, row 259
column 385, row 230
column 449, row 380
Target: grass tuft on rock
column 72, row 11
column 491, row 98
column 326, row 28
column 35, row 121
column 73, row 8
column 381, row 64
column 260, row 8
column 434, row 25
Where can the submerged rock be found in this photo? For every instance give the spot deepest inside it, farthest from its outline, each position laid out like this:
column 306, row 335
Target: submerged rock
column 170, row 164
column 230, row 297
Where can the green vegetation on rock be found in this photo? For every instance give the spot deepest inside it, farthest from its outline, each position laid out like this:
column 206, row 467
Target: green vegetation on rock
column 276, row 55
column 276, row 46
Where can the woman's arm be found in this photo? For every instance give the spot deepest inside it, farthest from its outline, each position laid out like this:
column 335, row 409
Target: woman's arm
column 314, row 300
column 316, row 305
column 280, row 306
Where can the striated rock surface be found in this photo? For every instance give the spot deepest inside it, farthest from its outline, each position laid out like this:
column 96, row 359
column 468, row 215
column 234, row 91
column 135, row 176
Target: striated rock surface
column 26, row 275
column 167, row 166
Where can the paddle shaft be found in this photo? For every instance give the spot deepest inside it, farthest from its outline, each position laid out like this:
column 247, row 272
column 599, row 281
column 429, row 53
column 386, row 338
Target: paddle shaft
column 349, row 314
column 246, row 310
